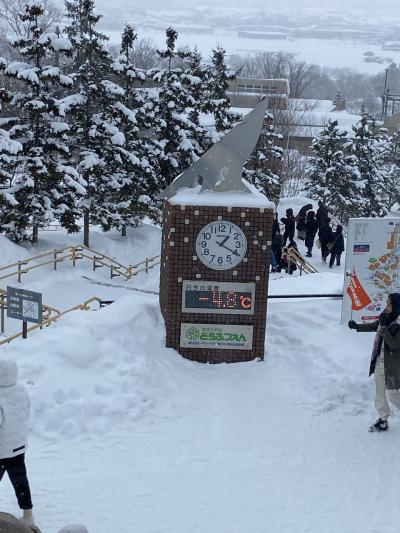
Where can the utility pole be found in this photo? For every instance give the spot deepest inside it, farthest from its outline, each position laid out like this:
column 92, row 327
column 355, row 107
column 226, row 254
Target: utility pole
column 385, row 95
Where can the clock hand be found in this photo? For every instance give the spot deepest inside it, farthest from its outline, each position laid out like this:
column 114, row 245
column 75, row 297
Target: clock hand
column 223, row 242
column 229, row 250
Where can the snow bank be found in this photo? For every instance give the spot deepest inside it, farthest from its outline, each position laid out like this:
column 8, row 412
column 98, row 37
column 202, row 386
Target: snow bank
column 93, row 372
column 10, row 252
column 296, row 203
column 141, row 242
column 76, row 528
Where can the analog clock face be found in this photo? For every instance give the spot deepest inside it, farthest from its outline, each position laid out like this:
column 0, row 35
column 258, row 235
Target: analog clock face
column 221, row 245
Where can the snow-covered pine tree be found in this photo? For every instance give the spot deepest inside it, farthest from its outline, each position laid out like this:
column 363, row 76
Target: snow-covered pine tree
column 367, row 148
column 388, row 148
column 181, row 141
column 9, row 148
column 332, row 175
column 219, row 103
column 262, row 167
column 42, row 178
column 96, row 136
column 136, row 168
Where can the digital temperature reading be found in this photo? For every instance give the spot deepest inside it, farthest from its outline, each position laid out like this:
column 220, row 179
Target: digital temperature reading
column 218, row 297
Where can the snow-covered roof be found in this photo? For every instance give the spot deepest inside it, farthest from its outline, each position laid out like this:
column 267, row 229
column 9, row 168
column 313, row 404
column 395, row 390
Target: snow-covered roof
column 313, row 120
column 194, row 196
column 320, row 112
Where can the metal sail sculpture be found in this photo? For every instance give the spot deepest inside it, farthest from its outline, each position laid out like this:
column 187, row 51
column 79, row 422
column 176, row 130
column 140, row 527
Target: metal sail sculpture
column 221, row 167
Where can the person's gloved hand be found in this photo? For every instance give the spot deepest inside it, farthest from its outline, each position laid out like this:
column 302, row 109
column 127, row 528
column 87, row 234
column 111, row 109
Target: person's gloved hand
column 352, row 324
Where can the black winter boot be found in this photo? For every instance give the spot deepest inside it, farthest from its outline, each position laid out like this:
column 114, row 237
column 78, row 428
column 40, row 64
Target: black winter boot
column 379, row 425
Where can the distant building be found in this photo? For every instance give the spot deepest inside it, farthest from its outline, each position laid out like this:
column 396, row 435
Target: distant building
column 391, row 45
column 392, row 123
column 247, row 92
column 274, row 35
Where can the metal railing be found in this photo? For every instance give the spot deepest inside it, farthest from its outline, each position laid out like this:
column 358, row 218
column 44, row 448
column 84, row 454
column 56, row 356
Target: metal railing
column 294, row 256
column 49, row 317
column 53, row 258
column 74, row 254
column 47, row 310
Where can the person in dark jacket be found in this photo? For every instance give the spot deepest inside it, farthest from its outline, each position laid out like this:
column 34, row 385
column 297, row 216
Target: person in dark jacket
column 322, row 214
column 287, row 262
column 301, row 226
column 325, row 234
column 385, row 359
column 275, row 226
column 289, row 222
column 276, row 248
column 311, row 227
column 336, row 247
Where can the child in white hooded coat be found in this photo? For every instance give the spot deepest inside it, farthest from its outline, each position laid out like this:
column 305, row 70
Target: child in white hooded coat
column 14, row 426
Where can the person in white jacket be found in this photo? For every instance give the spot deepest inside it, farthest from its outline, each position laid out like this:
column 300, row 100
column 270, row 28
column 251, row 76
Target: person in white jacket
column 14, row 425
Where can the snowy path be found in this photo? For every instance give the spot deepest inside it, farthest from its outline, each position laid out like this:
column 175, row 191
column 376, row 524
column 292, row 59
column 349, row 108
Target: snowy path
column 128, row 436
column 274, row 446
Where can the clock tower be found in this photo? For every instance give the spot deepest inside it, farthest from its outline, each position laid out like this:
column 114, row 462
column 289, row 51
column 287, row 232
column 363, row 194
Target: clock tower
column 215, row 257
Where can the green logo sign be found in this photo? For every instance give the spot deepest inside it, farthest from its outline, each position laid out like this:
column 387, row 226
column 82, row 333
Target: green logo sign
column 193, row 334
column 222, row 336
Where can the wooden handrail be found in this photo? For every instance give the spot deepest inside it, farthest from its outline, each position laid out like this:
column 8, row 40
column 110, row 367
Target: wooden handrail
column 75, row 253
column 299, row 260
column 85, row 306
column 35, row 257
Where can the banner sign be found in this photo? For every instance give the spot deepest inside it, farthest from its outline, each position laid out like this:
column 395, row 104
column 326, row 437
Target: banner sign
column 218, row 297
column 372, row 267
column 220, row 336
column 24, row 305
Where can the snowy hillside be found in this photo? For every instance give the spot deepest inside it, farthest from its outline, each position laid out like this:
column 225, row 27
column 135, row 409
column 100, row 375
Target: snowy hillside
column 127, row 436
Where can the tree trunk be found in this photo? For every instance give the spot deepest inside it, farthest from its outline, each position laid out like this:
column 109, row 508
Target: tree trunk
column 86, row 229
column 123, row 231
column 35, row 234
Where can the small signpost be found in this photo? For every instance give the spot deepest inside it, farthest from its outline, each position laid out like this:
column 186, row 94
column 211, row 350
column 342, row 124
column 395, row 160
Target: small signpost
column 24, row 305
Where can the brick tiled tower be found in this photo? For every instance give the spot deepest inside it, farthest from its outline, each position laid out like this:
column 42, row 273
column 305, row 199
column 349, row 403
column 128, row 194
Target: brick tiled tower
column 215, row 256
column 179, row 263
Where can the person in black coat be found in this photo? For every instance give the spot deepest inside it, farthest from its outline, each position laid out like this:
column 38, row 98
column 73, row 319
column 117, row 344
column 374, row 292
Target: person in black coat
column 322, row 214
column 336, row 247
column 385, row 359
column 325, row 236
column 288, row 264
column 276, row 248
column 290, row 223
column 301, row 226
column 275, row 226
column 311, row 227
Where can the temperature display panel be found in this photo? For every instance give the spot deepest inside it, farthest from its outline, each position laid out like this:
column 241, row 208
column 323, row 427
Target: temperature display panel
column 218, row 297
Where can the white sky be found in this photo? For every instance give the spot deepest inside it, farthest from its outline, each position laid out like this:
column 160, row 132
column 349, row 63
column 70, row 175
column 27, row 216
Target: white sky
column 320, row 5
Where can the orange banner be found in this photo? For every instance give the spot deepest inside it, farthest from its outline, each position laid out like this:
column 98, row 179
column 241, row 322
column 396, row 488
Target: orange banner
column 359, row 297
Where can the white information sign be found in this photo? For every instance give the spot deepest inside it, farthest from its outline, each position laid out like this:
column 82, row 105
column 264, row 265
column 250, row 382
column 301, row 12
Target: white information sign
column 224, row 337
column 372, row 267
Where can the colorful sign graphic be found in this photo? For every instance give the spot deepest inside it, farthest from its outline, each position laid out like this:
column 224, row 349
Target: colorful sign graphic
column 372, row 267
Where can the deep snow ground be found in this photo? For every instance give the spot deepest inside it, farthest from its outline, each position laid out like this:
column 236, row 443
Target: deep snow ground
column 128, row 436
